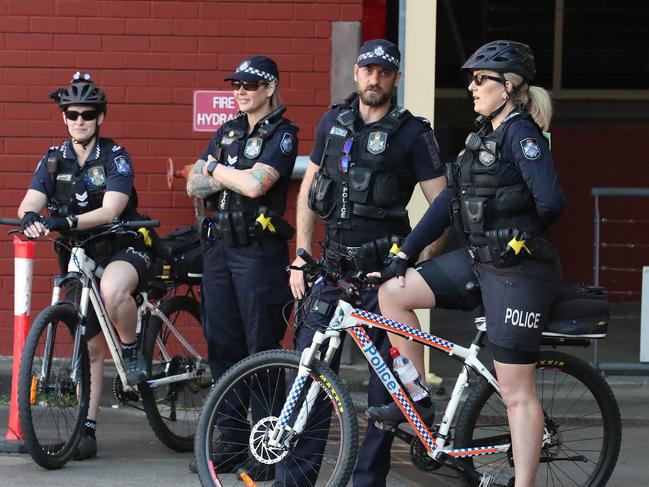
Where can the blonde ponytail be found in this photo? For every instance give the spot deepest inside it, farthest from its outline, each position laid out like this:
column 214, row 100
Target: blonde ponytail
column 536, row 99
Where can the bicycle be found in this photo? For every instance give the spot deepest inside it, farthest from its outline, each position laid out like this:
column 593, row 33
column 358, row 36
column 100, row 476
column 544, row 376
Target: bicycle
column 279, row 397
column 54, row 376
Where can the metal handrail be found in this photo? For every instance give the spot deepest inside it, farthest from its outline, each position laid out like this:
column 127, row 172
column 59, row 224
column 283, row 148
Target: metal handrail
column 618, row 192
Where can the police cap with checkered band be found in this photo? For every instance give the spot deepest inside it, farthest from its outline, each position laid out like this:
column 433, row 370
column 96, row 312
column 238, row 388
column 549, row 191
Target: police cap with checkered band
column 256, row 69
column 381, row 52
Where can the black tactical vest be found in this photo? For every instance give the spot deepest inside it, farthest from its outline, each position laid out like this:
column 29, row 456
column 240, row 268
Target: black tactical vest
column 79, row 190
column 367, row 194
column 233, row 140
column 491, row 191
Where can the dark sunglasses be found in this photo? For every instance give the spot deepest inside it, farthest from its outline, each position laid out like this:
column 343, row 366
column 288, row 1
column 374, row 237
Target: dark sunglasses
column 479, row 78
column 343, row 164
column 87, row 116
column 246, row 86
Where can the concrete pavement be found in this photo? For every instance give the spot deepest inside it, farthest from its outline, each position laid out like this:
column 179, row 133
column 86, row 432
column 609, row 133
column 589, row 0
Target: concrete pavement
column 131, row 455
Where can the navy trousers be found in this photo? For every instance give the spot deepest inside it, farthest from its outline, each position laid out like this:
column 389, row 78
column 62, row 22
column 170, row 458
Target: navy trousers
column 244, row 293
column 373, row 463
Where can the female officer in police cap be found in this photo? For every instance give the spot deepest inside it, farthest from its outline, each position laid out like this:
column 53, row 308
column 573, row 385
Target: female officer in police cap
column 87, row 181
column 243, row 177
column 503, row 193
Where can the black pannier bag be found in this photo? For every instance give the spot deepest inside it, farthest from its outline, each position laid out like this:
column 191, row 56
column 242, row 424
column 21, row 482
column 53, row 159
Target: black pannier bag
column 179, row 258
column 580, row 311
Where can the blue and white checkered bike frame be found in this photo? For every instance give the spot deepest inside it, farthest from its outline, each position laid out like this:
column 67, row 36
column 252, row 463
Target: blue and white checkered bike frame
column 352, row 320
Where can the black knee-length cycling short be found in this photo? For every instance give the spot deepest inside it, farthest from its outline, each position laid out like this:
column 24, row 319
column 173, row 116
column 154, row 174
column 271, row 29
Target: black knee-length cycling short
column 516, row 299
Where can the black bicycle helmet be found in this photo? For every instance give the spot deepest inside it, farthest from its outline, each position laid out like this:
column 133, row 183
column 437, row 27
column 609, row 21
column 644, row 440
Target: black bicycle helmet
column 503, row 57
column 80, row 91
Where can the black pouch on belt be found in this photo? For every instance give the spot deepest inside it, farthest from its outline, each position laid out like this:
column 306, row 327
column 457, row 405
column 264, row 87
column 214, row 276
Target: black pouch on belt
column 222, row 226
column 473, row 213
column 239, row 228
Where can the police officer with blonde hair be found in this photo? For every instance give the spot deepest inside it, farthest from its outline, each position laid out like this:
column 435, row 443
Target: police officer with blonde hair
column 243, row 177
column 503, row 194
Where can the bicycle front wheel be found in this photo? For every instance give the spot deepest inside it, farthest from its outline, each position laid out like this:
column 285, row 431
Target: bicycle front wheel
column 243, row 409
column 173, row 409
column 52, row 402
column 582, row 425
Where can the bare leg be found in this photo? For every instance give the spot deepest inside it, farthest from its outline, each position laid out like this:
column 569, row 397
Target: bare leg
column 525, row 418
column 118, row 283
column 398, row 303
column 97, row 351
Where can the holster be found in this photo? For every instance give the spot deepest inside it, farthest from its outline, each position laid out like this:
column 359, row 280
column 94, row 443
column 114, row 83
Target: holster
column 277, row 227
column 500, row 253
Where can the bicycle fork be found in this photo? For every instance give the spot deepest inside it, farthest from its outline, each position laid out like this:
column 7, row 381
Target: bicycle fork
column 282, row 431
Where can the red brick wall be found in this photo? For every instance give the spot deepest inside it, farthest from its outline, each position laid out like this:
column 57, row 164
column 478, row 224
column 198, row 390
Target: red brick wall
column 148, row 56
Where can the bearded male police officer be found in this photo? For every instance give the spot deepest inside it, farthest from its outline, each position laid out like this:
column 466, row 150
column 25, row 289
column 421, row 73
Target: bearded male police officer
column 367, row 158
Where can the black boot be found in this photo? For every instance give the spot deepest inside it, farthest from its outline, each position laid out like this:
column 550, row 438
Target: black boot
column 392, row 415
column 86, row 448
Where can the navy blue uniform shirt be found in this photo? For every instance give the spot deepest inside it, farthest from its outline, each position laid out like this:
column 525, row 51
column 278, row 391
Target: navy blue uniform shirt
column 527, row 149
column 279, row 152
column 117, row 165
column 414, row 137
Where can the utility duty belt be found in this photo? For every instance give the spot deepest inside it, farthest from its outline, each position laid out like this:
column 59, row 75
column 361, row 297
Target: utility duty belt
column 238, row 228
column 508, row 246
column 370, row 256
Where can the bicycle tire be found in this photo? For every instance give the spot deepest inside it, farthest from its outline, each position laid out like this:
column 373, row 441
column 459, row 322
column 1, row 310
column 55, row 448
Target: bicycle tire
column 220, row 405
column 52, row 435
column 173, row 410
column 580, row 410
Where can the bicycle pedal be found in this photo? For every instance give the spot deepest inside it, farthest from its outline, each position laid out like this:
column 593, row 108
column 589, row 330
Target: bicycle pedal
column 487, row 480
column 387, row 426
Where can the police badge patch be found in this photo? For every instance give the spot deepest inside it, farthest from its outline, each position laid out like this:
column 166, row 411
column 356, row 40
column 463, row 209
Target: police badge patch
column 253, row 148
column 377, row 142
column 286, row 144
column 531, row 149
column 123, row 166
column 488, row 156
column 97, row 176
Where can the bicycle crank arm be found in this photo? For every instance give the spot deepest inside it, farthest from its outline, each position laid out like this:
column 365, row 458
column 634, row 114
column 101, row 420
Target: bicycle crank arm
column 396, row 431
column 170, row 380
column 576, row 458
column 470, row 474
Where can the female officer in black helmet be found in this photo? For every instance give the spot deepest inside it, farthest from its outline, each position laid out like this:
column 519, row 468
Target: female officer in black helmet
column 243, row 177
column 85, row 182
column 503, row 193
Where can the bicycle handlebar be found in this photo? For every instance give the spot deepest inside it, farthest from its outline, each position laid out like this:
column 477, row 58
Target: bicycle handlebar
column 314, row 268
column 16, row 222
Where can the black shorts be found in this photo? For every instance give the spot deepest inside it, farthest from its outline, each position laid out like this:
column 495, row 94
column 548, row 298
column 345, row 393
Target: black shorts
column 142, row 260
column 516, row 299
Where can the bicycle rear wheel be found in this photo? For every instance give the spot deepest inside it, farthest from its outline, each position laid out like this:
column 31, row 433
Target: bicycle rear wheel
column 173, row 409
column 244, row 407
column 581, row 415
column 53, row 406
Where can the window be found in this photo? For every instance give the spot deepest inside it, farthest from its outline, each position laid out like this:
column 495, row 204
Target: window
column 601, row 47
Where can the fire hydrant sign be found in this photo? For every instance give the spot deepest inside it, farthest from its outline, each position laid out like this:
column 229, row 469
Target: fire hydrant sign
column 212, row 109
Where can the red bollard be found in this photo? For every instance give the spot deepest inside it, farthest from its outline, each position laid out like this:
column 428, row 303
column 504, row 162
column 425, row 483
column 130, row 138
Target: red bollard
column 24, row 255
